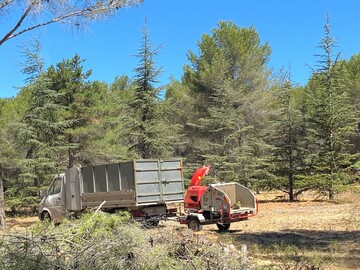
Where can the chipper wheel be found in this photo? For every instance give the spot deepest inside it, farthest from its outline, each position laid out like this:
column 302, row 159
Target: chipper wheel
column 223, row 227
column 194, row 224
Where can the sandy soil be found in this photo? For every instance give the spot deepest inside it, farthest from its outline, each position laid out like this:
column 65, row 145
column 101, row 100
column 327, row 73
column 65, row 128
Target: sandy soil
column 19, row 224
column 326, row 232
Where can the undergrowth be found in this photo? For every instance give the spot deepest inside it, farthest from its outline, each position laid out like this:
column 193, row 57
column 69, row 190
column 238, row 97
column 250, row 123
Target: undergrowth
column 105, row 241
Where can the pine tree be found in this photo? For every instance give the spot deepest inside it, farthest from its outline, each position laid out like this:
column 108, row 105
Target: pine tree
column 151, row 135
column 37, row 134
column 289, row 152
column 11, row 111
column 108, row 140
column 69, row 80
column 330, row 118
column 227, row 81
column 353, row 68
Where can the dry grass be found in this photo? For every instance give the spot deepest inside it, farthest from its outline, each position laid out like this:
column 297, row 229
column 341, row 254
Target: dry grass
column 19, row 224
column 309, row 234
column 300, row 235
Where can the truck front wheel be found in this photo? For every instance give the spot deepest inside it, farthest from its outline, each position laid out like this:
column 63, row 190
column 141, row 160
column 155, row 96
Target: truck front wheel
column 223, row 227
column 194, row 224
column 45, row 216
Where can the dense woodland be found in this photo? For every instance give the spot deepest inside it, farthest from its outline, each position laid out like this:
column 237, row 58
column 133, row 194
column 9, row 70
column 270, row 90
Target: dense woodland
column 250, row 123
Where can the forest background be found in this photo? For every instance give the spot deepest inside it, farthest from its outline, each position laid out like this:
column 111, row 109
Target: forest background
column 228, row 110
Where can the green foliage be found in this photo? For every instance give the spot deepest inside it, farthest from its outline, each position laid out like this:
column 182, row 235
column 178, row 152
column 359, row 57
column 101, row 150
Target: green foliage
column 353, row 87
column 331, row 119
column 104, row 241
column 289, row 147
column 151, row 133
column 227, row 82
column 226, row 112
column 69, row 80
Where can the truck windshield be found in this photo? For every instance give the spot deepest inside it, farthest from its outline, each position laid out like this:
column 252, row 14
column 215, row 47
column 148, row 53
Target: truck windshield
column 56, row 186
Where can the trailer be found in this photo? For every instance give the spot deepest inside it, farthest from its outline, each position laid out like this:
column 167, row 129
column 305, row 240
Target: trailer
column 144, row 187
column 220, row 204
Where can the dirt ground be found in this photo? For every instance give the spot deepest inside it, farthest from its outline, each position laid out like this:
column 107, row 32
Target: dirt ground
column 20, row 224
column 313, row 234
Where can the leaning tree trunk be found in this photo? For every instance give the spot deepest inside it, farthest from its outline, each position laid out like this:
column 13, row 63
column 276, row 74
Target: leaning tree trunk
column 2, row 202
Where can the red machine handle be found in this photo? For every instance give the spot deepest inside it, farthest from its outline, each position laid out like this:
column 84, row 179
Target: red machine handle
column 198, row 176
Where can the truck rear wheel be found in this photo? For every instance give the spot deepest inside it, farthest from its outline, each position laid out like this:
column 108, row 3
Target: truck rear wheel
column 223, row 227
column 194, row 224
column 152, row 223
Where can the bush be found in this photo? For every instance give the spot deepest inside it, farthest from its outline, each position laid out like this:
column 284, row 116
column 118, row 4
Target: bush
column 104, row 241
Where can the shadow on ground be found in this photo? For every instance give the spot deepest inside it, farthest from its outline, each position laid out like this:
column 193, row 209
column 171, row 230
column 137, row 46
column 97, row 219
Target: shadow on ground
column 305, row 239
column 345, row 244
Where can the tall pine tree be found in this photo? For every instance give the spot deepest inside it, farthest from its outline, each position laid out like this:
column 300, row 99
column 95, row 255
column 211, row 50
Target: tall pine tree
column 69, row 80
column 330, row 118
column 227, row 80
column 289, row 148
column 150, row 133
column 37, row 134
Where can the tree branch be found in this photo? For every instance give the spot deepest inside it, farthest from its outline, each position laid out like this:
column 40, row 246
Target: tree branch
column 2, row 5
column 87, row 13
column 57, row 19
column 10, row 33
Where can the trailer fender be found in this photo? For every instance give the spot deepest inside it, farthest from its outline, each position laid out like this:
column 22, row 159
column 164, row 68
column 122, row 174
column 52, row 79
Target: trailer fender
column 199, row 217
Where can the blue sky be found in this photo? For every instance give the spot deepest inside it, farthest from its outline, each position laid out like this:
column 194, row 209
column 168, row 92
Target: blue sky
column 293, row 29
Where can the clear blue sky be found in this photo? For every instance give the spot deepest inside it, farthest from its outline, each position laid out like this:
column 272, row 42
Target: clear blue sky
column 292, row 28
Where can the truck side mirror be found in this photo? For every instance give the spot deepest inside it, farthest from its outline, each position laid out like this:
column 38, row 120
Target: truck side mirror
column 42, row 193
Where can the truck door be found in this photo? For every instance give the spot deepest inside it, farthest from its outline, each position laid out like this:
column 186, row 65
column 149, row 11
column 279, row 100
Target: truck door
column 171, row 181
column 55, row 200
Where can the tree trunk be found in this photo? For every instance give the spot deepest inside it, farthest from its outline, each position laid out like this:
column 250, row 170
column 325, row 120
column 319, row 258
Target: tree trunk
column 291, row 187
column 2, row 202
column 71, row 152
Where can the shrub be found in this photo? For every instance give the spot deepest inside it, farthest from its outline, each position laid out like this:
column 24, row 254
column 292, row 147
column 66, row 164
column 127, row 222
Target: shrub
column 105, row 241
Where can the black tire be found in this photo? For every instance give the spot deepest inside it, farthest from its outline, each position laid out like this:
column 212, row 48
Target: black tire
column 46, row 217
column 152, row 223
column 194, row 224
column 223, row 227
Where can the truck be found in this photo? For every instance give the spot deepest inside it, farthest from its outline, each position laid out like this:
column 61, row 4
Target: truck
column 219, row 203
column 148, row 189
column 144, row 187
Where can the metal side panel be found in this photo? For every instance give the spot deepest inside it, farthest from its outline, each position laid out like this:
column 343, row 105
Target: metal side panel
column 152, row 181
column 172, row 180
column 72, row 189
column 100, row 178
column 115, row 199
column 213, row 199
column 158, row 181
column 108, row 177
column 127, row 181
column 113, row 177
column 147, row 181
column 87, row 179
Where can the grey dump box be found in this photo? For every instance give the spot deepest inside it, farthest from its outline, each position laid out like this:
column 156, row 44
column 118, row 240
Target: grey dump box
column 128, row 184
column 136, row 185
